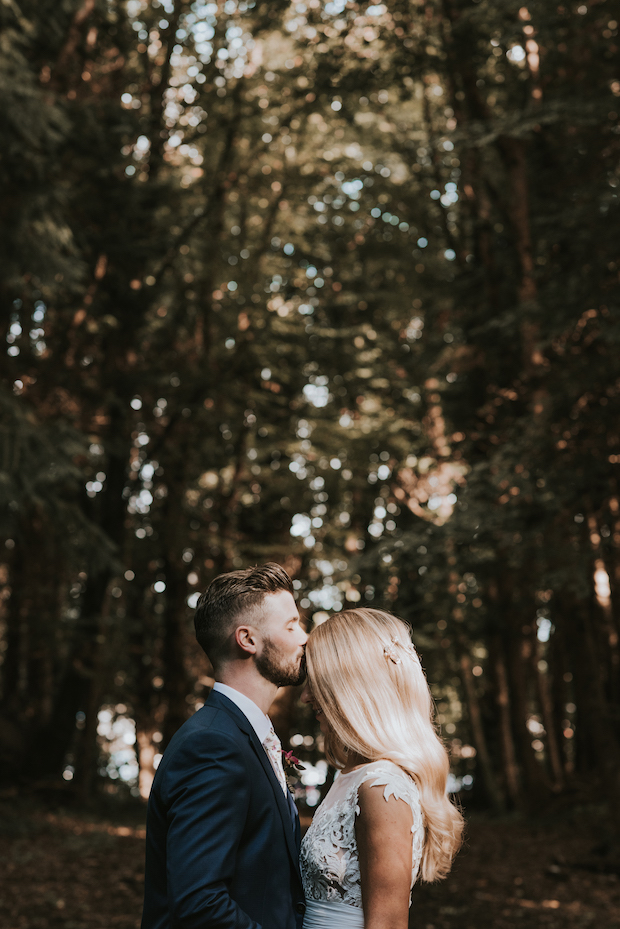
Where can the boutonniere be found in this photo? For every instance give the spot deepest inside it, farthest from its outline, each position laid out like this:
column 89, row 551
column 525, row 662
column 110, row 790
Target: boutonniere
column 291, row 767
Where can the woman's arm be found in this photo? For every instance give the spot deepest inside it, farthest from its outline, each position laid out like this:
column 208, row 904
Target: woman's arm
column 384, row 844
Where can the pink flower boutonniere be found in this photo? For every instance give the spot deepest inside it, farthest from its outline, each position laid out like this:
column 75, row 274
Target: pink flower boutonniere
column 291, row 763
column 291, row 767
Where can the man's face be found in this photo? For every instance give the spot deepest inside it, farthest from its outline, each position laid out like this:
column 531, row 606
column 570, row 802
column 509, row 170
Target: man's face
column 281, row 654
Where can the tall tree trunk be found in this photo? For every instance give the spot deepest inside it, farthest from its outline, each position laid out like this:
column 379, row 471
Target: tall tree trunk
column 595, row 720
column 177, row 684
column 548, row 716
column 67, row 56
column 536, row 782
column 509, row 755
column 519, row 658
column 15, row 668
column 559, row 669
column 88, row 662
column 514, row 156
column 493, row 789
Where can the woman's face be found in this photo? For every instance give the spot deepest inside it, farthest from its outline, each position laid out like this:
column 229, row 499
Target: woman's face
column 308, row 697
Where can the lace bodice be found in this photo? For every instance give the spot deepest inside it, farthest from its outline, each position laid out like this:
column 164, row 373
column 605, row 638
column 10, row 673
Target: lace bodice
column 329, row 860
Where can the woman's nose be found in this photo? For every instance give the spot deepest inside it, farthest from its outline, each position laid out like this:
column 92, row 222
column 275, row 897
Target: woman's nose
column 305, row 695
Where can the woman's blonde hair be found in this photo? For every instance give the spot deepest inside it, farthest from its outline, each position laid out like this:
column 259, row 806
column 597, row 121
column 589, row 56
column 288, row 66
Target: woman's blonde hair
column 366, row 678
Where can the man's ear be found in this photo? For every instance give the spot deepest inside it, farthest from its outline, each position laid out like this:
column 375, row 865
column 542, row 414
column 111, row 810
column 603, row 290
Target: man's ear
column 245, row 638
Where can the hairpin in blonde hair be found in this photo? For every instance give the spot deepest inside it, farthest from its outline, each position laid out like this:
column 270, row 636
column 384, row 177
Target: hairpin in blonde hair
column 389, row 650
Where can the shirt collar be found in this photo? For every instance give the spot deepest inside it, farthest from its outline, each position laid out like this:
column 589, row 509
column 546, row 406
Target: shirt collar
column 259, row 721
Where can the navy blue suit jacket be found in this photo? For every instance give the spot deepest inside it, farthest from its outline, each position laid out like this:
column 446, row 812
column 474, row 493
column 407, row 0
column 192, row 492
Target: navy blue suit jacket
column 222, row 843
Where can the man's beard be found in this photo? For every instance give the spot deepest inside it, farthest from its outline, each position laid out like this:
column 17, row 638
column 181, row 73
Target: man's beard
column 270, row 665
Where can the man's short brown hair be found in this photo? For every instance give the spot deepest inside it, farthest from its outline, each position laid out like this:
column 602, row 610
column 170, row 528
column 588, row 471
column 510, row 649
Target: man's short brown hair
column 230, row 595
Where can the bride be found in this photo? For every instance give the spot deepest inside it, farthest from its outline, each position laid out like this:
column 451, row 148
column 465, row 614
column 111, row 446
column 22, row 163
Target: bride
column 387, row 818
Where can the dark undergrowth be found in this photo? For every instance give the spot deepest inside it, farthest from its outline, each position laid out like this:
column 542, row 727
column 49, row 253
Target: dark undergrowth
column 62, row 868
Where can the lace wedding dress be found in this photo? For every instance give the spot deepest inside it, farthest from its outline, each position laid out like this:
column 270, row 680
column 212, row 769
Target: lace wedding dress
column 329, row 861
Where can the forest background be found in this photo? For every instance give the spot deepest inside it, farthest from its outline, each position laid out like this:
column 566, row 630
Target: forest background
column 331, row 284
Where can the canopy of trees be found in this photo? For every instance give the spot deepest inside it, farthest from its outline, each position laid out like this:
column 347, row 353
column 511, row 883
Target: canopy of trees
column 333, row 284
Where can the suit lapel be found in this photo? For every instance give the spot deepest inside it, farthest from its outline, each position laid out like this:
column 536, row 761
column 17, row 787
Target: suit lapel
column 281, row 800
column 243, row 723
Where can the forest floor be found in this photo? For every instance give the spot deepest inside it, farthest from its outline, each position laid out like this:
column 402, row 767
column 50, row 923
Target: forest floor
column 67, row 870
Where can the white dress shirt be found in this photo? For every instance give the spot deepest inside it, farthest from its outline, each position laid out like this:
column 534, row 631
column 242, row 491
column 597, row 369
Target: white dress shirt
column 259, row 721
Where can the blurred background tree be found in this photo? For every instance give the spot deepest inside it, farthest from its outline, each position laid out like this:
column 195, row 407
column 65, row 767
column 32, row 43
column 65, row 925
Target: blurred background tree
column 332, row 284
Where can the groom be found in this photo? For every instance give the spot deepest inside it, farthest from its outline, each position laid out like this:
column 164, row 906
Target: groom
column 222, row 830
